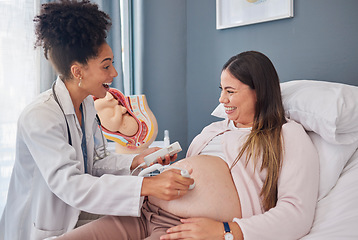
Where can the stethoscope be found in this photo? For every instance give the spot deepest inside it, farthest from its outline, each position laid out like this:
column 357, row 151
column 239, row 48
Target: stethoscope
column 98, row 156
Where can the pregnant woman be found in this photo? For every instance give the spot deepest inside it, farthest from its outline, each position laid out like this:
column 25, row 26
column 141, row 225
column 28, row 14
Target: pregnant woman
column 251, row 171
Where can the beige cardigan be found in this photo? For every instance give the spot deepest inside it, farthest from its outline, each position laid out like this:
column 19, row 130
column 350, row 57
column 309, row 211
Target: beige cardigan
column 297, row 186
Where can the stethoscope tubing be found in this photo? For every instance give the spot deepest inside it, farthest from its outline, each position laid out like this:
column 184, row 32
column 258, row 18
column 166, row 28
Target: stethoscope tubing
column 106, row 153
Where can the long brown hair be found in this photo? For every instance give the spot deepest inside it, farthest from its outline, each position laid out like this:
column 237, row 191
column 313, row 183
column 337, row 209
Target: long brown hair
column 257, row 71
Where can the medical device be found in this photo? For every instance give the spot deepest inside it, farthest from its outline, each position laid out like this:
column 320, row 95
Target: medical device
column 98, row 156
column 171, row 150
column 158, row 167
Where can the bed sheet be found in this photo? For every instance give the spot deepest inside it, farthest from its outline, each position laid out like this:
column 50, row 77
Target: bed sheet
column 336, row 214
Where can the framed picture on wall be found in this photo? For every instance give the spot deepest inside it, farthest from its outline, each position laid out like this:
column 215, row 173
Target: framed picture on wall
column 234, row 13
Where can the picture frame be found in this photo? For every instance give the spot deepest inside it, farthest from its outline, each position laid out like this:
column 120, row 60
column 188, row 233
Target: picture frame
column 235, row 13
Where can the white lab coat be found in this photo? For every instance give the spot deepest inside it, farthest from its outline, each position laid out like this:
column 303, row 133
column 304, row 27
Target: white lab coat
column 48, row 187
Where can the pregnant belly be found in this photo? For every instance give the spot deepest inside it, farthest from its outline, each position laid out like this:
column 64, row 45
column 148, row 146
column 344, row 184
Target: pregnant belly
column 214, row 195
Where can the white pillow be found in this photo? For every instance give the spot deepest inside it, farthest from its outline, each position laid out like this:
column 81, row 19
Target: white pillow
column 330, row 112
column 328, row 109
column 219, row 111
column 332, row 159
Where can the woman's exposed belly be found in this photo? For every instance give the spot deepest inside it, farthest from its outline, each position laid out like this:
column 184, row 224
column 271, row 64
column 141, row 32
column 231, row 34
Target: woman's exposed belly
column 214, row 195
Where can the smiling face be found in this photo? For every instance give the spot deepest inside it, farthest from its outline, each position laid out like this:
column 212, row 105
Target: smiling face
column 239, row 100
column 99, row 72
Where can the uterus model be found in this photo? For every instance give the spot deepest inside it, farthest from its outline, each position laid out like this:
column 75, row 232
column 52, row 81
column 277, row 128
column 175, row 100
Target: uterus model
column 127, row 120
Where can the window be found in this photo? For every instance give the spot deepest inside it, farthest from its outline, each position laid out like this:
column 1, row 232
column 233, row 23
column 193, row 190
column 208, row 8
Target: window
column 126, row 33
column 17, row 78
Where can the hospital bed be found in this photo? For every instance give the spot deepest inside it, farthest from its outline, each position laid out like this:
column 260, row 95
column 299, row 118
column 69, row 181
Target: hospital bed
column 329, row 113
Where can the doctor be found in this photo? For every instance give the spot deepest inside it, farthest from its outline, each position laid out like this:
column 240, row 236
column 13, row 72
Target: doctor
column 62, row 167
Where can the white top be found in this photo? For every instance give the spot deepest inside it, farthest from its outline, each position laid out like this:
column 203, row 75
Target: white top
column 214, row 147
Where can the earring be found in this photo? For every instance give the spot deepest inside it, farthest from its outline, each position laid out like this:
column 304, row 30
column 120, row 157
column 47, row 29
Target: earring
column 79, row 84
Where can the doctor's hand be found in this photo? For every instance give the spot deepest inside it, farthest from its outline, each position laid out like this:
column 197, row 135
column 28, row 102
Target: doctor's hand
column 139, row 159
column 168, row 185
column 201, row 228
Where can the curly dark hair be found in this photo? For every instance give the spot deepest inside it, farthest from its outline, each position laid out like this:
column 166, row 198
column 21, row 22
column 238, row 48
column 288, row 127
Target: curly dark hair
column 70, row 31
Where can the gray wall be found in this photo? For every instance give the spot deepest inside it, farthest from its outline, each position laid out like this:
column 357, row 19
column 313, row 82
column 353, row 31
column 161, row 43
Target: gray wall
column 164, row 66
column 184, row 54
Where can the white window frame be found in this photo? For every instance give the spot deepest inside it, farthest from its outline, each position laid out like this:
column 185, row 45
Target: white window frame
column 126, row 21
